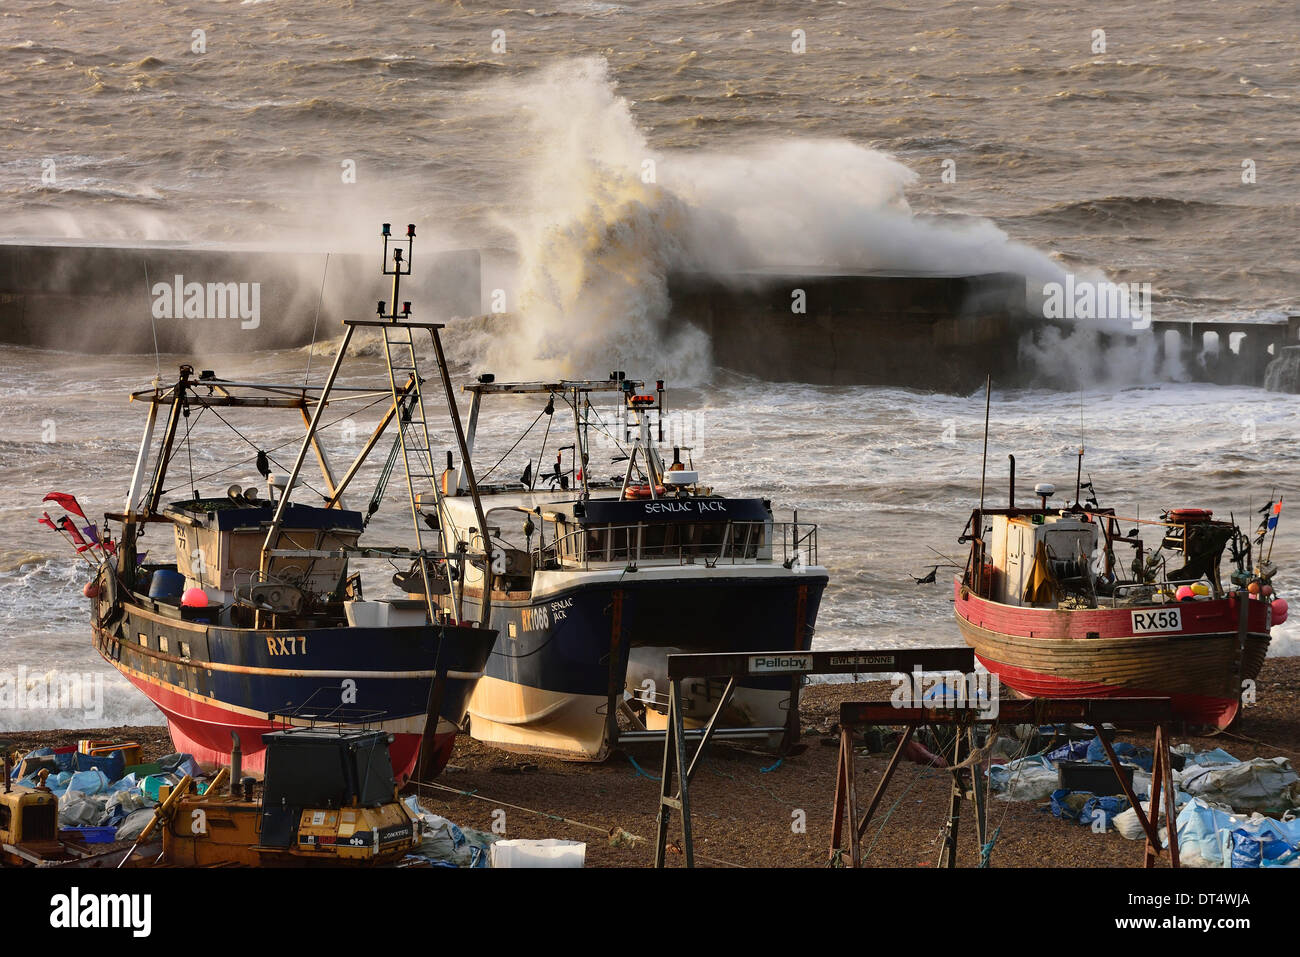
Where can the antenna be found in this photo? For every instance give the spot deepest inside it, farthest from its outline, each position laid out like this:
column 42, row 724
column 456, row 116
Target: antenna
column 1078, row 475
column 399, row 269
column 988, row 385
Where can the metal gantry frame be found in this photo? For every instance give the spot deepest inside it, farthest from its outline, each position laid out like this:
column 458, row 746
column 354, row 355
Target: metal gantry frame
column 968, row 783
column 735, row 666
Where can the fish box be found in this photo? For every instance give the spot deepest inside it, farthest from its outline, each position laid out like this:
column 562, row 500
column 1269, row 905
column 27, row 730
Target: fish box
column 1098, row 779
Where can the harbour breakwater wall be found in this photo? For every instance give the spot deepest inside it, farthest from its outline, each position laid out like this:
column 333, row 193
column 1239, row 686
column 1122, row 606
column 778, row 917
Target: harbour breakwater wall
column 919, row 330
column 194, row 299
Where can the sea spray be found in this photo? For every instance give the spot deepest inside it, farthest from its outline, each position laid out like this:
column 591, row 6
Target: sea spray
column 601, row 221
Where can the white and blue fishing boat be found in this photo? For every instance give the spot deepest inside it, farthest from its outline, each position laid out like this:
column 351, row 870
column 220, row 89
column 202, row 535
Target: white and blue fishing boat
column 593, row 581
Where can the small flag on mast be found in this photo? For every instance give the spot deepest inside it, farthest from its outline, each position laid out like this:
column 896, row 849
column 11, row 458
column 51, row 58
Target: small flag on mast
column 70, row 527
column 68, row 502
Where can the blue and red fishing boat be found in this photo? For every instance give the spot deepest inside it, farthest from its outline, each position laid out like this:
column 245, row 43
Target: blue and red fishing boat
column 260, row 621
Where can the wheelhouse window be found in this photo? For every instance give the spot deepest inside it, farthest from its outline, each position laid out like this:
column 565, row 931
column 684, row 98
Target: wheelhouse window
column 679, row 541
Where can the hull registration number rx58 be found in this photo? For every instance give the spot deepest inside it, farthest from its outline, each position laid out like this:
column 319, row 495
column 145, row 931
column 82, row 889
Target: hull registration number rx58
column 1162, row 619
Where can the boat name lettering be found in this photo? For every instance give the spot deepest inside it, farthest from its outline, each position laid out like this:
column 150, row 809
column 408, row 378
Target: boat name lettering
column 560, row 609
column 286, row 644
column 535, row 619
column 759, row 663
column 667, row 508
column 1166, row 619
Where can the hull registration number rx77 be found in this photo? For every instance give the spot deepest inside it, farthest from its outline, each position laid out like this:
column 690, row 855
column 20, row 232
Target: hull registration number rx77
column 1162, row 619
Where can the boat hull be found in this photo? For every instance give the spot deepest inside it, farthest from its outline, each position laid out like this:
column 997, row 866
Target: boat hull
column 210, row 681
column 547, row 683
column 1202, row 665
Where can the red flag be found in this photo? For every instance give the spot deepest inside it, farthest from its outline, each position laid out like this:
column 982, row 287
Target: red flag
column 67, row 501
column 46, row 520
column 67, row 525
column 108, row 546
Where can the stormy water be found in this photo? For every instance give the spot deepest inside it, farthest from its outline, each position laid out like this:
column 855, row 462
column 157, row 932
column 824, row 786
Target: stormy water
column 599, row 147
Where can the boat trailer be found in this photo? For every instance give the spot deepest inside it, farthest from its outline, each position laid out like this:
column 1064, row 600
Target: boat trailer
column 968, row 782
column 736, row 665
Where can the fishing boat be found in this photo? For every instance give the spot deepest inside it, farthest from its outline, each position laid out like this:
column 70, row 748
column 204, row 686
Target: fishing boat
column 1072, row 602
column 260, row 621
column 594, row 580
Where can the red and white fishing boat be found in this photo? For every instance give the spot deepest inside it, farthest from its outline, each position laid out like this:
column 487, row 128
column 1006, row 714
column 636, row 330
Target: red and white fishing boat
column 1070, row 602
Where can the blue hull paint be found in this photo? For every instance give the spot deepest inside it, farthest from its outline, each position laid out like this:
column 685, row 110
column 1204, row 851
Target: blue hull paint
column 356, row 652
column 562, row 644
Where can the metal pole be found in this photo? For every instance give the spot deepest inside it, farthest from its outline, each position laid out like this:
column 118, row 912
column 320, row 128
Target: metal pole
column 468, row 467
column 988, row 385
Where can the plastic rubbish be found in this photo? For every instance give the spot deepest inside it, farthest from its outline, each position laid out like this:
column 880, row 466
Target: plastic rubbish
column 1260, row 784
column 1213, row 756
column 180, row 765
column 154, row 782
column 1199, row 824
column 1127, row 753
column 1262, row 842
column 1103, row 809
column 78, row 809
column 1085, row 807
column 135, row 822
column 93, row 781
column 1072, row 751
column 122, row 803
column 1025, row 779
column 443, row 842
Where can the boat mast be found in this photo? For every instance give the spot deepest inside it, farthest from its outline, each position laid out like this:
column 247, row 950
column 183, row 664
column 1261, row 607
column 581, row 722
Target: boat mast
column 130, row 528
column 467, row 467
column 580, row 451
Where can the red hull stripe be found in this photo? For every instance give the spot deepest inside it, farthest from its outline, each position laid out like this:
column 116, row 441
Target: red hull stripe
column 201, row 727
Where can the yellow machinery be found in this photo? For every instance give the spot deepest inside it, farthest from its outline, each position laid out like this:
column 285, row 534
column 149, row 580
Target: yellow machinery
column 29, row 825
column 329, row 798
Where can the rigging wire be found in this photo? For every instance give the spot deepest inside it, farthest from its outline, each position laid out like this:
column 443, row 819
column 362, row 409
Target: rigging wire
column 315, row 322
column 482, row 478
column 253, row 445
column 291, row 442
column 550, row 419
column 153, row 322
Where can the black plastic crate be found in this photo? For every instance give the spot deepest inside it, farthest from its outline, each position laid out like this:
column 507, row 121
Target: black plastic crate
column 1099, row 779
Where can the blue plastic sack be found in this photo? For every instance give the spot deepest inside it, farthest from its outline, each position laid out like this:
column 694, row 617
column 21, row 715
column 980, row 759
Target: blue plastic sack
column 1067, row 804
column 180, row 765
column 1127, row 754
column 1262, row 842
column 93, row 781
column 1104, row 808
column 58, row 783
column 1085, row 807
column 1072, row 751
column 1214, row 756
